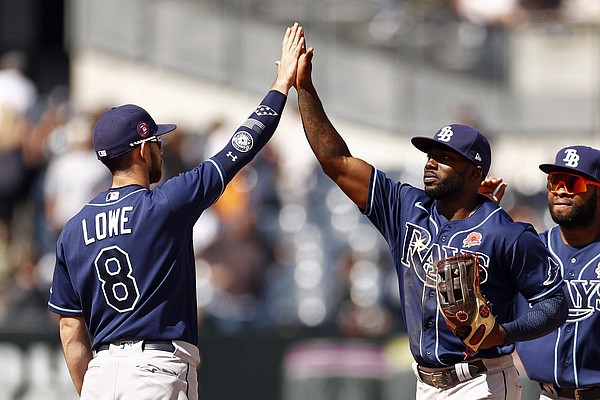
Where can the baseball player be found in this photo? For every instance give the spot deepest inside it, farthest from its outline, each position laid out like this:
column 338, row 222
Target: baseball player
column 448, row 218
column 566, row 362
column 124, row 280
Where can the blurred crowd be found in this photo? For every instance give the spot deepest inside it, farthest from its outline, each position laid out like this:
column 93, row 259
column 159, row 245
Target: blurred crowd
column 283, row 251
column 471, row 35
column 268, row 260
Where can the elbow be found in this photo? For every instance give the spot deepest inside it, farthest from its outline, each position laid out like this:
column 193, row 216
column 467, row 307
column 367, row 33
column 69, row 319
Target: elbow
column 330, row 167
column 564, row 308
column 558, row 310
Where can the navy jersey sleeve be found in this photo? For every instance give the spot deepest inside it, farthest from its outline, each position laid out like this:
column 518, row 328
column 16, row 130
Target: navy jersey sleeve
column 193, row 191
column 251, row 136
column 63, row 298
column 532, row 268
column 384, row 204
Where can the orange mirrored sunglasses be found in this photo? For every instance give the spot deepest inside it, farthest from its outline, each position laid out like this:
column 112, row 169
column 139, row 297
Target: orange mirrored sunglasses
column 572, row 184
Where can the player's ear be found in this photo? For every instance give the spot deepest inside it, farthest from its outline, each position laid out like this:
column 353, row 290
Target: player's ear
column 477, row 173
column 144, row 150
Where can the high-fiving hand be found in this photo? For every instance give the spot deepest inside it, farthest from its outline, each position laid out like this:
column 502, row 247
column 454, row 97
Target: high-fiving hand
column 291, row 49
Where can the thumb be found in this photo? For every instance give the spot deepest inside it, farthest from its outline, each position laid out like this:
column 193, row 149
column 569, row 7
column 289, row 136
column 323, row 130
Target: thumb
column 309, row 54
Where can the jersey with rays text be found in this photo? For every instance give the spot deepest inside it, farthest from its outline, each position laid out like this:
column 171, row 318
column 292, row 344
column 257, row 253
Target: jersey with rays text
column 569, row 357
column 512, row 258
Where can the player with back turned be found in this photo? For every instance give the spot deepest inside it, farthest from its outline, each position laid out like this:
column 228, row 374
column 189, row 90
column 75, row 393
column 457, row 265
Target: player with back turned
column 566, row 362
column 124, row 280
column 446, row 219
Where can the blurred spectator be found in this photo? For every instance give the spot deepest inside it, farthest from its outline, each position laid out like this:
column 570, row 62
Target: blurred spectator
column 13, row 172
column 174, row 160
column 23, row 298
column 237, row 262
column 42, row 142
column 506, row 13
column 215, row 135
column 262, row 178
column 74, row 176
column 17, row 91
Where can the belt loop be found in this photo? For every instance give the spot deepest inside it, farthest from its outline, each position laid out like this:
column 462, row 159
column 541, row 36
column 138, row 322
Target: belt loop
column 580, row 393
column 462, row 371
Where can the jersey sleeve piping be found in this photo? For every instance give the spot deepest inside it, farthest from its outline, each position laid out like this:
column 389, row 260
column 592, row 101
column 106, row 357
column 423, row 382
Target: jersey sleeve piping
column 60, row 310
column 370, row 198
column 545, row 293
column 221, row 176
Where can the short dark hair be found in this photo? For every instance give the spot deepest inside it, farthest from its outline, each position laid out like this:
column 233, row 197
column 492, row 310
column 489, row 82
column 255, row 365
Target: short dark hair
column 119, row 163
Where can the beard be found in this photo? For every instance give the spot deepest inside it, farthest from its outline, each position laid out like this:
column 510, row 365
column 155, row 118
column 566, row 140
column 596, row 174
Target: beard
column 579, row 216
column 156, row 169
column 446, row 188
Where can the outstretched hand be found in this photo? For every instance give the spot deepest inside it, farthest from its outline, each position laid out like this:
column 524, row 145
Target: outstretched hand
column 291, row 48
column 304, row 75
column 493, row 188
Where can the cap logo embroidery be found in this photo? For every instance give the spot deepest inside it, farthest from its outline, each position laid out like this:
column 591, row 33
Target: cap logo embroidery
column 571, row 158
column 143, row 129
column 445, row 134
column 477, row 157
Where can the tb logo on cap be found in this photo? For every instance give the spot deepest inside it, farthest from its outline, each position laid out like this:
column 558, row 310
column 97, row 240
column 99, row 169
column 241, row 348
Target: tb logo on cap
column 571, row 158
column 445, row 134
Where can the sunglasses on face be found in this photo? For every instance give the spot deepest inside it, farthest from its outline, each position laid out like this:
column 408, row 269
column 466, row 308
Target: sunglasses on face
column 572, row 184
column 158, row 141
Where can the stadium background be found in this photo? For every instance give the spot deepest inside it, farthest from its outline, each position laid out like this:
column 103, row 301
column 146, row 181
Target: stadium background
column 297, row 295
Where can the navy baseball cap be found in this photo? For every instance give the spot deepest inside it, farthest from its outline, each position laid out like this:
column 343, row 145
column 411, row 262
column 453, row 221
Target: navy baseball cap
column 579, row 160
column 122, row 128
column 463, row 139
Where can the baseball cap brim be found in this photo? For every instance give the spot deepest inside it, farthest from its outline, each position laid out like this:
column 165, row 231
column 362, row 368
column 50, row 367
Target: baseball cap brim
column 425, row 144
column 164, row 128
column 548, row 168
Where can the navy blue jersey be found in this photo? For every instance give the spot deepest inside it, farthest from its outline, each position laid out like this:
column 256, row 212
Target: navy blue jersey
column 513, row 259
column 125, row 262
column 568, row 356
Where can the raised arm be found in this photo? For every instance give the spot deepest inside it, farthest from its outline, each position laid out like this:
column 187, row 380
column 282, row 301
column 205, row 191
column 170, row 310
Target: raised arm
column 256, row 131
column 351, row 174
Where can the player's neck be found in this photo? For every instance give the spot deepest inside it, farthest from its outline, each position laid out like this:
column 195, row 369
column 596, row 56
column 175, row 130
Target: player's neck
column 581, row 236
column 130, row 177
column 458, row 209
